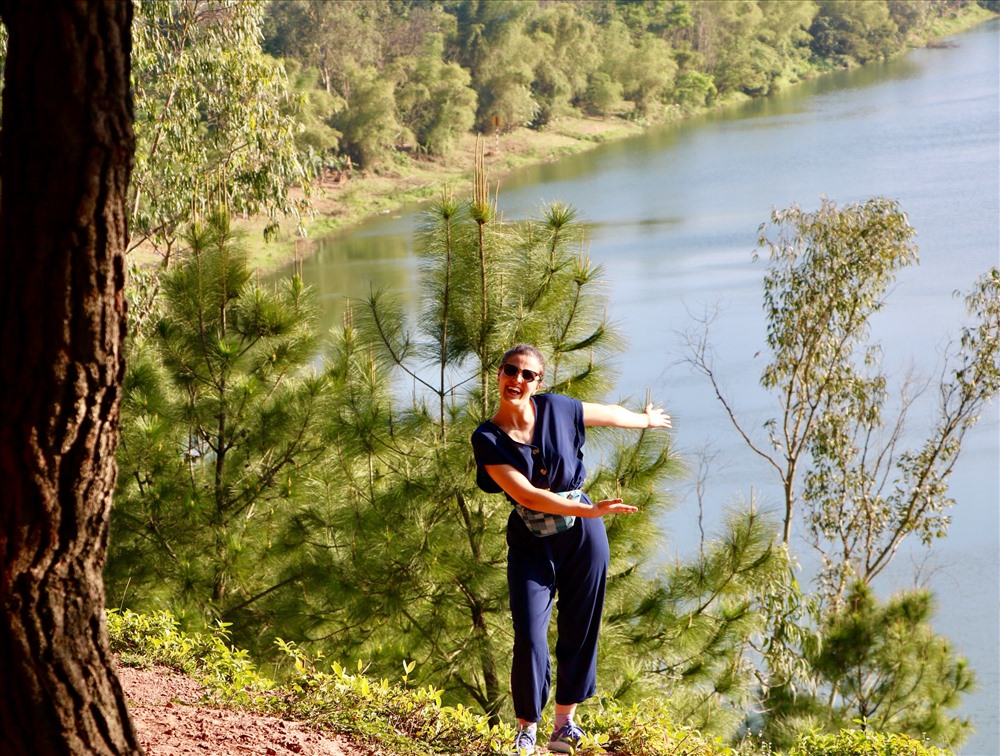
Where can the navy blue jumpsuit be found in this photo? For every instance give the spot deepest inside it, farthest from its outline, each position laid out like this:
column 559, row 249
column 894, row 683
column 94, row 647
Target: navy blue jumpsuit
column 573, row 562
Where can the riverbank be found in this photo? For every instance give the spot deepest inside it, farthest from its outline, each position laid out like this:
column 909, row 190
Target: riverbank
column 343, row 200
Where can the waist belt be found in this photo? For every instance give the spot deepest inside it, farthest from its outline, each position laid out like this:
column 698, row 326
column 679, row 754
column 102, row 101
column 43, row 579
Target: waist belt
column 543, row 524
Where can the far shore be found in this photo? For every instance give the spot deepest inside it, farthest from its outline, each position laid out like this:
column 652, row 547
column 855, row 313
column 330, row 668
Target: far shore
column 343, row 201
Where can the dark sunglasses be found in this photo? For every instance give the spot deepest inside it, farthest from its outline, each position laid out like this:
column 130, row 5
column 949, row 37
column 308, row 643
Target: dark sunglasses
column 511, row 370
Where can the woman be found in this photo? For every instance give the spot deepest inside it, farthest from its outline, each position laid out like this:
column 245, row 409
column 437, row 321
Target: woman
column 531, row 450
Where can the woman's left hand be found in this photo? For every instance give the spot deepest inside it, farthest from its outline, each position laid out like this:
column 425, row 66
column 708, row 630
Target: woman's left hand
column 656, row 417
column 612, row 506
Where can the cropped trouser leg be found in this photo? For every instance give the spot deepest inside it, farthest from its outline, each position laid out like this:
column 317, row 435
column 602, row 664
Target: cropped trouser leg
column 574, row 564
column 532, row 591
column 580, row 582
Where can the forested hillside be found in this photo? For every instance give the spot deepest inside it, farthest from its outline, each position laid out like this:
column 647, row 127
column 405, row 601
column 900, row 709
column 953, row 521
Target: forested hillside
column 386, row 77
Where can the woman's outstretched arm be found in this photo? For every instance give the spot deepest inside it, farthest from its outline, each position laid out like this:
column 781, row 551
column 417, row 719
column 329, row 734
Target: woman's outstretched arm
column 616, row 416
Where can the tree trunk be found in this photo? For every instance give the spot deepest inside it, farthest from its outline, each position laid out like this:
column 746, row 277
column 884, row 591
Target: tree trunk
column 67, row 145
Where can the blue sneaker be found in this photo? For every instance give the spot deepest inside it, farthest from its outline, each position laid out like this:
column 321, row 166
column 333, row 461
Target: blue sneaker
column 524, row 742
column 566, row 739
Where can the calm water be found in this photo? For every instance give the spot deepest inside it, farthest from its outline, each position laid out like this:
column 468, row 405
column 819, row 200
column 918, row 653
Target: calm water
column 674, row 217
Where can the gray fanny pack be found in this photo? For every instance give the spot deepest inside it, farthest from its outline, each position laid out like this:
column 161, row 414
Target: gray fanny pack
column 542, row 524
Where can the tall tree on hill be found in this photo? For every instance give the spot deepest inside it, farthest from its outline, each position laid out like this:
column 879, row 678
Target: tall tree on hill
column 569, row 55
column 493, row 45
column 434, row 98
column 213, row 119
column 67, row 146
column 216, row 124
column 847, row 33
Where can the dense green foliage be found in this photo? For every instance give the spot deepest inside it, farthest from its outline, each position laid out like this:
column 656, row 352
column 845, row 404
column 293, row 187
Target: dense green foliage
column 864, row 743
column 415, row 74
column 888, row 668
column 324, row 494
column 220, row 426
column 875, row 663
column 423, row 576
column 214, row 119
column 217, row 124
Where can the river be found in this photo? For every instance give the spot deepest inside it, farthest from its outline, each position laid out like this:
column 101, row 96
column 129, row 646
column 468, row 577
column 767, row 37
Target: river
column 674, row 216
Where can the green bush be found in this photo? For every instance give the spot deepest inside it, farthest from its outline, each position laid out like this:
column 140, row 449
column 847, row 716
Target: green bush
column 864, row 743
column 143, row 640
column 400, row 719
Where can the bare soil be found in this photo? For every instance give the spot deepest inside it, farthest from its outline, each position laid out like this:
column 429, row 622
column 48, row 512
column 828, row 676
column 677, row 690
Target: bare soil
column 170, row 720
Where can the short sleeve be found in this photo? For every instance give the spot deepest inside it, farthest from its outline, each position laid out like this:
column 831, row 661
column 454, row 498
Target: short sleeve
column 554, row 460
column 485, row 447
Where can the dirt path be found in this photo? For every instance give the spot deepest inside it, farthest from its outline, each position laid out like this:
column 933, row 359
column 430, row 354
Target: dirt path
column 170, row 722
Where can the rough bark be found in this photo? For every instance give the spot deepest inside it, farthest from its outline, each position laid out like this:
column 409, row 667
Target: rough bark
column 67, row 145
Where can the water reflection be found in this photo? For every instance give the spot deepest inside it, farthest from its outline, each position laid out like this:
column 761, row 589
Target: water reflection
column 345, row 268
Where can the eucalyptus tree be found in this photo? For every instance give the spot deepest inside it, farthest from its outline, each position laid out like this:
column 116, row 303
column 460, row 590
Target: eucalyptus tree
column 863, row 492
column 324, row 36
column 854, row 487
column 640, row 66
column 492, row 43
column 210, row 119
column 221, row 412
column 385, row 62
column 569, row 56
column 215, row 125
column 434, row 98
column 314, row 108
column 849, row 33
column 412, row 554
column 369, row 124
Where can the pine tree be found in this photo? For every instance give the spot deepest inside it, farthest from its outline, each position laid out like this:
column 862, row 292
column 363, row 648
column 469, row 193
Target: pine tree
column 340, row 510
column 220, row 414
column 879, row 664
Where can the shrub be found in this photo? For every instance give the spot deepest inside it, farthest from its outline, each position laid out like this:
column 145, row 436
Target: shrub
column 864, row 743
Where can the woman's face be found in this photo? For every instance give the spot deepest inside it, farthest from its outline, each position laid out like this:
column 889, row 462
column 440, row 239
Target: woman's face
column 518, row 388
